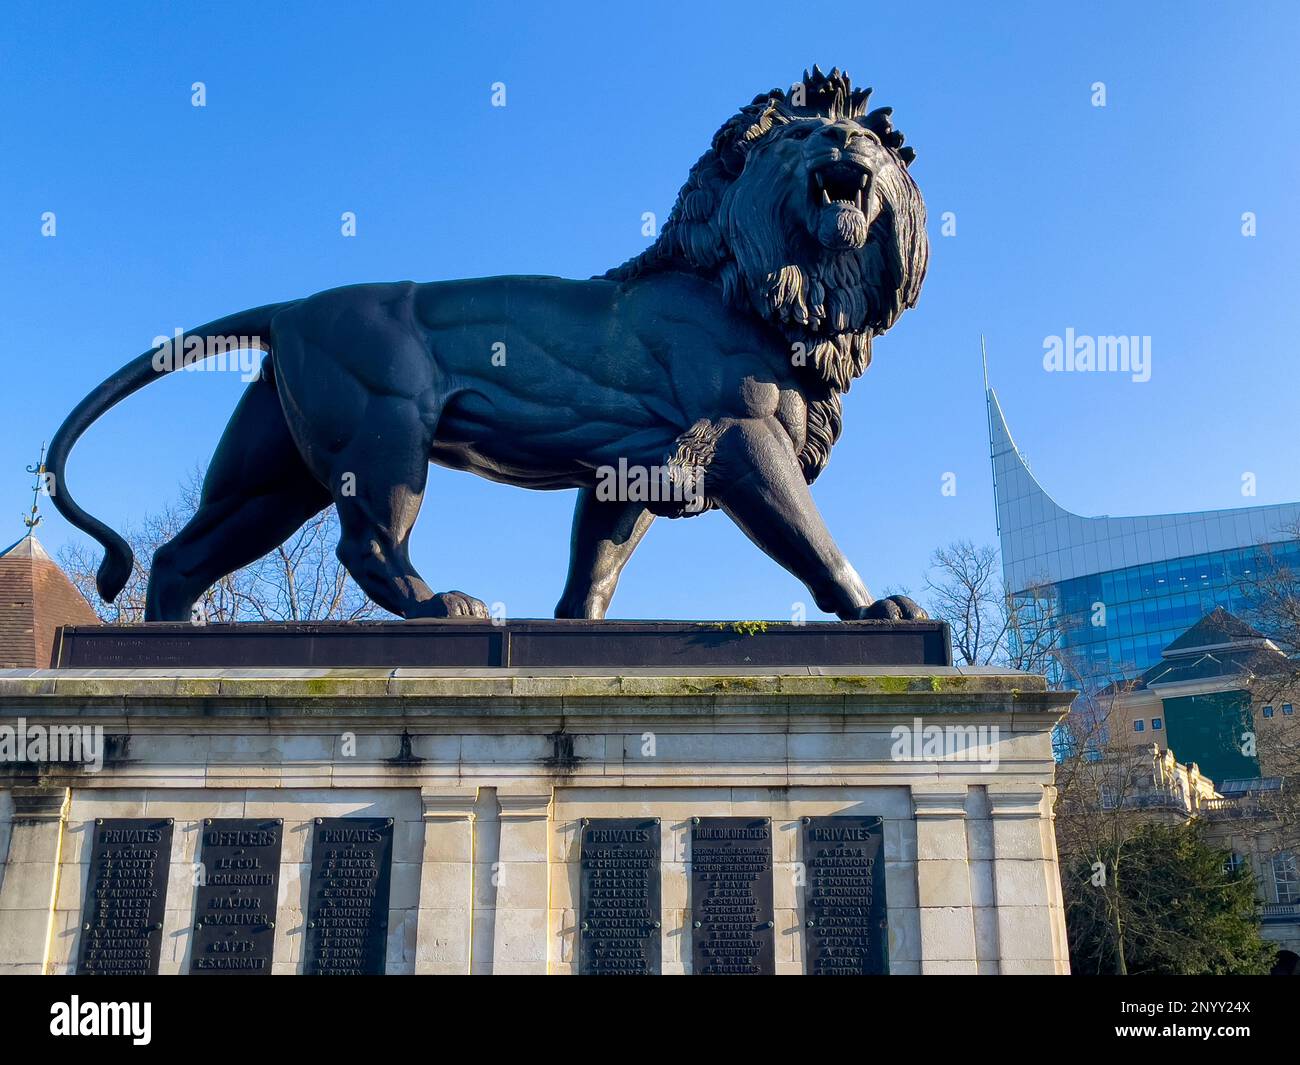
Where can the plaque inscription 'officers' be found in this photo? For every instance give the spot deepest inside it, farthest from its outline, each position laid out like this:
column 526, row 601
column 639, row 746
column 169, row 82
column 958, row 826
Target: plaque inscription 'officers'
column 126, row 897
column 234, row 906
column 732, row 923
column 845, row 928
column 619, row 922
column 347, row 907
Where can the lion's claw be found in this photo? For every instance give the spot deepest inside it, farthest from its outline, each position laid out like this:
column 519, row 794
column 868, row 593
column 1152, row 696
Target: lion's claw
column 893, row 608
column 453, row 605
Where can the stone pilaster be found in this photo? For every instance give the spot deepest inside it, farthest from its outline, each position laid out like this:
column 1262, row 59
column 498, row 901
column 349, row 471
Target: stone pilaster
column 522, row 880
column 1060, row 939
column 445, row 924
column 31, row 883
column 943, row 879
column 1028, row 939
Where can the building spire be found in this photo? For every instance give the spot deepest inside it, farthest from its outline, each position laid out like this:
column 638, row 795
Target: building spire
column 988, row 415
column 33, row 519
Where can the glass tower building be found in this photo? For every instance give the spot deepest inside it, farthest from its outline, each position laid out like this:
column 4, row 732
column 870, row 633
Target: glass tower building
column 1122, row 589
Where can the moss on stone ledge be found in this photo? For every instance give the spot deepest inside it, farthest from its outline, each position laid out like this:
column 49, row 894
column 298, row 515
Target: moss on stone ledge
column 101, row 686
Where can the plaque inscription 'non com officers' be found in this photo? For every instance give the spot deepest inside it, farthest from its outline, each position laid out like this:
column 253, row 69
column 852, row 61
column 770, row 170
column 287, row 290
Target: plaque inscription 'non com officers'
column 845, row 928
column 347, row 907
column 126, row 897
column 234, row 908
column 619, row 922
column 732, row 922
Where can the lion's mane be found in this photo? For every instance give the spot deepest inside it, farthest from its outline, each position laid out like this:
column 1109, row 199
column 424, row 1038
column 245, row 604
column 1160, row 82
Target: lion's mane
column 828, row 304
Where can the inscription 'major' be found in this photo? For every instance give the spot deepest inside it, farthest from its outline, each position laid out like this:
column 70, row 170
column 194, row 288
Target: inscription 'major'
column 619, row 922
column 347, row 915
column 846, row 932
column 234, row 907
column 126, row 897
column 732, row 921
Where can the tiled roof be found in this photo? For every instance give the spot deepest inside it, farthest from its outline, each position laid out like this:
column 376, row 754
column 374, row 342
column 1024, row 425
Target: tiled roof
column 36, row 597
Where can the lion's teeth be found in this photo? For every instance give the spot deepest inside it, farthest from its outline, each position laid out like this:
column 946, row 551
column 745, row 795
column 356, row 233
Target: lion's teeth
column 859, row 199
column 863, row 179
column 821, row 180
column 826, row 196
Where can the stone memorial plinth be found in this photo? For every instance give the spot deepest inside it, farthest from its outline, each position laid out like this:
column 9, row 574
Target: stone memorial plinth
column 534, row 819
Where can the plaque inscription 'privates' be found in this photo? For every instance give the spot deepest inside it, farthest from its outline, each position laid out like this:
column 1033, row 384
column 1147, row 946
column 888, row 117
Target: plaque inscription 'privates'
column 732, row 922
column 126, row 897
column 619, row 923
column 347, row 915
column 234, row 907
column 845, row 927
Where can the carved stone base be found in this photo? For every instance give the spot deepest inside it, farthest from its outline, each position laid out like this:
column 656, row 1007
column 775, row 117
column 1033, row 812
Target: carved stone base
column 488, row 775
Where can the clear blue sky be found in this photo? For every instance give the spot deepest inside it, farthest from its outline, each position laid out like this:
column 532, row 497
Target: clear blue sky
column 1115, row 220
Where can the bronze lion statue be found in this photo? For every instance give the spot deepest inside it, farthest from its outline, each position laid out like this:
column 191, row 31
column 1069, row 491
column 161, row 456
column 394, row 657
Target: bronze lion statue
column 715, row 360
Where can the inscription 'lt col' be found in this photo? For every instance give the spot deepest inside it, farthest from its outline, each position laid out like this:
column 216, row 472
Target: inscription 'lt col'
column 619, row 923
column 732, row 926
column 347, row 915
column 126, row 897
column 845, row 928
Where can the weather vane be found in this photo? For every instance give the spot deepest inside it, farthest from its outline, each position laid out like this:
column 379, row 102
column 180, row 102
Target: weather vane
column 34, row 518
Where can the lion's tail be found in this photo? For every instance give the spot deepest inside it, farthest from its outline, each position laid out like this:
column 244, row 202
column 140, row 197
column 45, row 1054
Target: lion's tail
column 153, row 364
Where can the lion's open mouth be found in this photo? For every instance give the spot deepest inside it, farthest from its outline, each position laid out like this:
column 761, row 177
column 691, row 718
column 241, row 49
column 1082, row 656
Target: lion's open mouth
column 842, row 193
column 841, row 182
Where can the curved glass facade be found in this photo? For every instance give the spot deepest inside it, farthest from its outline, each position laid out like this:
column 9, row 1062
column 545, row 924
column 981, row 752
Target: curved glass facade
column 1149, row 606
column 1122, row 589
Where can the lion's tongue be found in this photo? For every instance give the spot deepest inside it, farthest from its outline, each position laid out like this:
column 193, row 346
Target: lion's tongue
column 842, row 226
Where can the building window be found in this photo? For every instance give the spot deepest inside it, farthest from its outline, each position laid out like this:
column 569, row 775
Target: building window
column 1234, row 864
column 1157, row 724
column 1268, row 711
column 1287, row 877
column 1287, row 710
column 1139, row 725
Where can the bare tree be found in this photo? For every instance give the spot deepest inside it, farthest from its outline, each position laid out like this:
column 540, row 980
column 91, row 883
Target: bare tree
column 301, row 580
column 1273, row 591
column 990, row 627
column 1272, row 814
column 1097, row 809
column 1107, row 793
column 1128, row 818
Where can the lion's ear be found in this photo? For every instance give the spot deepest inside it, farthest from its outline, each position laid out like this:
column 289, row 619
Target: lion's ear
column 881, row 123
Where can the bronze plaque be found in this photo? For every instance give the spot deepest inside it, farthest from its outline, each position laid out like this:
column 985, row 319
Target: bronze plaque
column 234, row 907
column 619, row 922
column 347, row 905
column 126, row 897
column 846, row 931
column 732, row 921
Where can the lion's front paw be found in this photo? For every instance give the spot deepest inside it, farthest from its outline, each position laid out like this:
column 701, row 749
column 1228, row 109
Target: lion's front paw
column 452, row 605
column 893, row 608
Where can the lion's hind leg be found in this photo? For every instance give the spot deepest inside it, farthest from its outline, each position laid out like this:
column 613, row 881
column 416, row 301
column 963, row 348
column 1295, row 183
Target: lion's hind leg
column 256, row 493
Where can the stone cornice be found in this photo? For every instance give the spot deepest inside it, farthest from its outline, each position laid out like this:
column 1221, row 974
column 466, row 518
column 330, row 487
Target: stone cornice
column 33, row 804
column 524, row 802
column 448, row 802
column 433, row 694
column 1011, row 801
column 939, row 800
